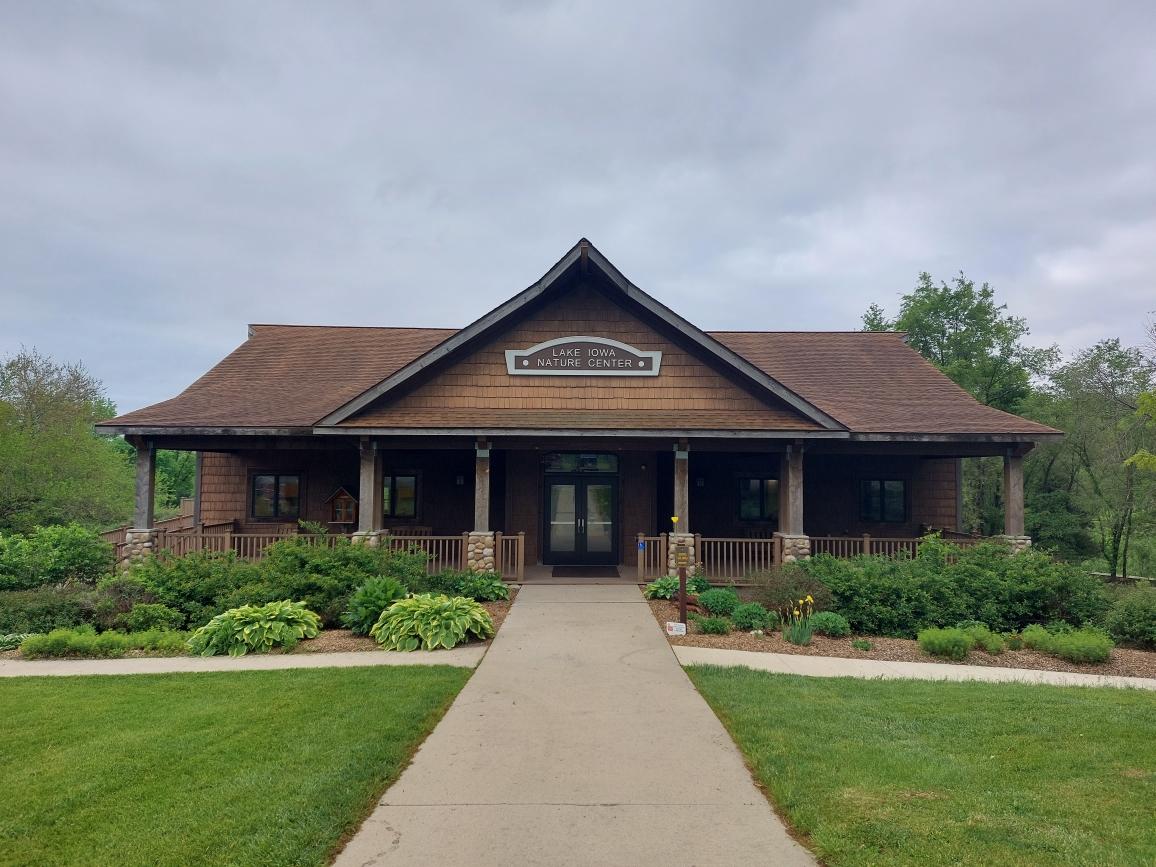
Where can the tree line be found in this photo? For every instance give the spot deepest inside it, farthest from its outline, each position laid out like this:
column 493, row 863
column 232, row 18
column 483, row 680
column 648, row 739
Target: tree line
column 1088, row 497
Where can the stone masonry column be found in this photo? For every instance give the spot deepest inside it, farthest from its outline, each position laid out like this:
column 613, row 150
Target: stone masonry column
column 687, row 539
column 370, row 508
column 796, row 544
column 481, row 541
column 1013, row 503
column 141, row 539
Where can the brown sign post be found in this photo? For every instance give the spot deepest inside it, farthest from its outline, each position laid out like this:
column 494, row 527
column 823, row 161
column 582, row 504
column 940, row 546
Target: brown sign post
column 681, row 560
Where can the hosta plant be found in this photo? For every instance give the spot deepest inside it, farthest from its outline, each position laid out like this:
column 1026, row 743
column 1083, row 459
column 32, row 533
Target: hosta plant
column 429, row 621
column 369, row 600
column 257, row 628
column 697, row 584
column 665, row 587
column 13, row 640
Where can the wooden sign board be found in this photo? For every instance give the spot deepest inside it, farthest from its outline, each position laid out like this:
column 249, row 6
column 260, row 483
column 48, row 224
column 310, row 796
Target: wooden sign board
column 681, row 556
column 675, row 628
column 583, row 356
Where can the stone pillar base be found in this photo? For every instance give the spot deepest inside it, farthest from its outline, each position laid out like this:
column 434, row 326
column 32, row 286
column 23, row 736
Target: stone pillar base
column 794, row 547
column 1016, row 544
column 138, row 544
column 368, row 538
column 681, row 539
column 480, row 551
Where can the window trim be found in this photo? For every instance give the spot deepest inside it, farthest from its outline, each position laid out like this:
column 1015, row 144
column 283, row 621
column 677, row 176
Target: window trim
column 865, row 518
column 391, row 476
column 769, row 506
column 276, row 518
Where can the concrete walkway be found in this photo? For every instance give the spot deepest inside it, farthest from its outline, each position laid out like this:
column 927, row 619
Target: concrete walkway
column 832, row 666
column 579, row 740
column 464, row 657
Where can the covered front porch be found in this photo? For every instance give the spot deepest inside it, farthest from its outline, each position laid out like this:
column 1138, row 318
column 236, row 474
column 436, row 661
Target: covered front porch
column 525, row 505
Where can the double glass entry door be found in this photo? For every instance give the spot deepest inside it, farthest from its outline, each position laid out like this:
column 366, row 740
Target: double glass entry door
column 581, row 522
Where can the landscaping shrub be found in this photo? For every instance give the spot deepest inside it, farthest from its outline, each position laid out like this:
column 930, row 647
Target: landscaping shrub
column 85, row 643
column 861, row 644
column 257, row 628
column 950, row 643
column 665, row 587
column 1132, row 619
column 199, row 584
column 697, row 584
column 52, row 555
column 1080, row 646
column 482, row 587
column 719, row 601
column 830, row 623
column 784, row 585
column 153, row 616
column 12, row 640
column 1013, row 640
column 984, row 638
column 713, row 625
column 429, row 621
column 943, row 585
column 369, row 600
column 45, row 609
column 752, row 615
column 115, row 597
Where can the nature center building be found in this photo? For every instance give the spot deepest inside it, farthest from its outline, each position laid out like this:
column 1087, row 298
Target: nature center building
column 566, row 428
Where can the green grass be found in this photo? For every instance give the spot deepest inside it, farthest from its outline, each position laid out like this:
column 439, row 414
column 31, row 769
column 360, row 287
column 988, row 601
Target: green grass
column 908, row 772
column 255, row 767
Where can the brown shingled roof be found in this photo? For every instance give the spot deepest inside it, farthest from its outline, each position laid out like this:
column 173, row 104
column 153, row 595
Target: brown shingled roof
column 292, row 376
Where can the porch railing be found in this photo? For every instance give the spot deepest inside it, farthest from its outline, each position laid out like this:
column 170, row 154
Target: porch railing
column 652, row 554
column 736, row 558
column 510, row 555
column 878, row 546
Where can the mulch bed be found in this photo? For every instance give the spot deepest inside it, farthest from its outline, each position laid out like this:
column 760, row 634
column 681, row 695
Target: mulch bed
column 1123, row 662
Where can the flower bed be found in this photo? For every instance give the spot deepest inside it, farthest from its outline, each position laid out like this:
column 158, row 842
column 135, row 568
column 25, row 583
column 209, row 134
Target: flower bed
column 1123, row 661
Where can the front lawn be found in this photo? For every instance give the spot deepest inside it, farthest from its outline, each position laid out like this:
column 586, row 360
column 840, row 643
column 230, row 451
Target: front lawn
column 255, row 767
column 909, row 772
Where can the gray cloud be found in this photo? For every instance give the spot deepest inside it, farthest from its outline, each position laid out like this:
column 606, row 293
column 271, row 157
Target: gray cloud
column 170, row 172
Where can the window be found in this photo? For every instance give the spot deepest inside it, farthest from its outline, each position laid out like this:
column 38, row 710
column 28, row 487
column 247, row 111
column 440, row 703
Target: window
column 883, row 500
column 400, row 496
column 275, row 495
column 758, row 499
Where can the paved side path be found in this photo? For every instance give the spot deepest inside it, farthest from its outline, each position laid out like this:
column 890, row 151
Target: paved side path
column 832, row 666
column 465, row 657
column 579, row 740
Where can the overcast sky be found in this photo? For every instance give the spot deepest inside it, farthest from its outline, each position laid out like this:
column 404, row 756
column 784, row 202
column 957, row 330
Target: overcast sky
column 172, row 171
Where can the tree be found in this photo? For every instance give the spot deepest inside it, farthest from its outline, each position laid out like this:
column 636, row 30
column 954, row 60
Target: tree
column 1106, row 428
column 53, row 467
column 964, row 333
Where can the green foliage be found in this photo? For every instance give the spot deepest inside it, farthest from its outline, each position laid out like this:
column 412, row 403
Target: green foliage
column 697, row 584
column 719, row 601
column 482, row 587
column 861, row 644
column 115, row 597
column 665, row 587
column 51, row 555
column 752, row 615
column 1080, row 646
column 429, row 621
column 153, row 616
column 1132, row 619
column 984, row 638
column 12, row 640
column 798, row 631
column 45, row 609
column 257, row 628
column 713, row 625
column 85, row 643
column 944, row 585
column 830, row 623
column 53, row 468
column 784, row 585
column 369, row 600
column 196, row 584
column 950, row 643
column 1013, row 640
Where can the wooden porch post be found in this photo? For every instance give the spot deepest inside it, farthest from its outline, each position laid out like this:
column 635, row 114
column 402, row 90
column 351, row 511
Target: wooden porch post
column 791, row 491
column 682, row 486
column 146, row 471
column 1013, row 494
column 370, row 508
column 482, row 487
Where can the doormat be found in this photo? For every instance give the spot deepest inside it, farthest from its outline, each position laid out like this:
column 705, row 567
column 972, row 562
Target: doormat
column 585, row 572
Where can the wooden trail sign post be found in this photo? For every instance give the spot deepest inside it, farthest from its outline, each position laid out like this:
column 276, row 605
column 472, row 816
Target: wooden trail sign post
column 681, row 560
